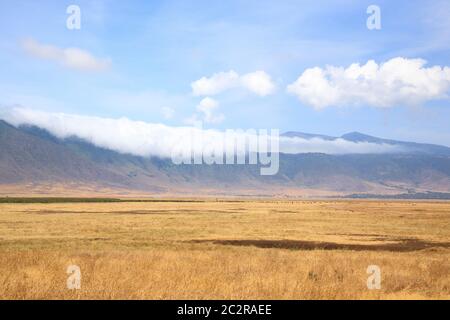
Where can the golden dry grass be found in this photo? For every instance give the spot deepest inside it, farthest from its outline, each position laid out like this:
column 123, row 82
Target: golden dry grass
column 226, row 250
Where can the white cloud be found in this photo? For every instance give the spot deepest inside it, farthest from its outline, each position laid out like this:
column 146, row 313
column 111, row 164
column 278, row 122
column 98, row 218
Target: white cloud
column 73, row 58
column 218, row 83
column 205, row 113
column 258, row 82
column 152, row 139
column 398, row 81
column 295, row 145
column 207, row 106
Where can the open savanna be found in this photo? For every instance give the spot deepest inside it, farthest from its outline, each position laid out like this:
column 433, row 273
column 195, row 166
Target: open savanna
column 225, row 249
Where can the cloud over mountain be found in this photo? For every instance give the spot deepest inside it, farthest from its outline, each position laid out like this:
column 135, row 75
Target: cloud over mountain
column 152, row 139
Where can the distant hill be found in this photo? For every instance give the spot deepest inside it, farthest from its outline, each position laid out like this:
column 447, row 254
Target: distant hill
column 412, row 147
column 34, row 161
column 294, row 134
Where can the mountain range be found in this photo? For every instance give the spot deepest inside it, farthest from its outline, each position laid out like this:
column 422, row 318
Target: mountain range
column 34, row 162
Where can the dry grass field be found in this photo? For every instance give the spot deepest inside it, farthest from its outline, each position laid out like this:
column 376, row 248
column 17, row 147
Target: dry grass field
column 226, row 250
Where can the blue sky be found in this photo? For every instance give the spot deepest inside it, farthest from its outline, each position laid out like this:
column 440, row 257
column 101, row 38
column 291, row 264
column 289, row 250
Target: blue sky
column 157, row 49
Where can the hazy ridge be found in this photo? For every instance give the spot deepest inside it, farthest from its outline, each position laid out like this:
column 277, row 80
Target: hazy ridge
column 32, row 157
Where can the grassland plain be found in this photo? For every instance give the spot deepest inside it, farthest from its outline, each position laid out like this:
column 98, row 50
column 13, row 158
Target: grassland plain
column 225, row 249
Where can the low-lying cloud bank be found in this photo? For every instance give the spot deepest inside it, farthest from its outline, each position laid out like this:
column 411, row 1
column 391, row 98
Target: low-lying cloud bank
column 150, row 139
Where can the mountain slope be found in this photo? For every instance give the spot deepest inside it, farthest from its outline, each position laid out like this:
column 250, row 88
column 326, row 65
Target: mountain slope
column 32, row 155
column 412, row 146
